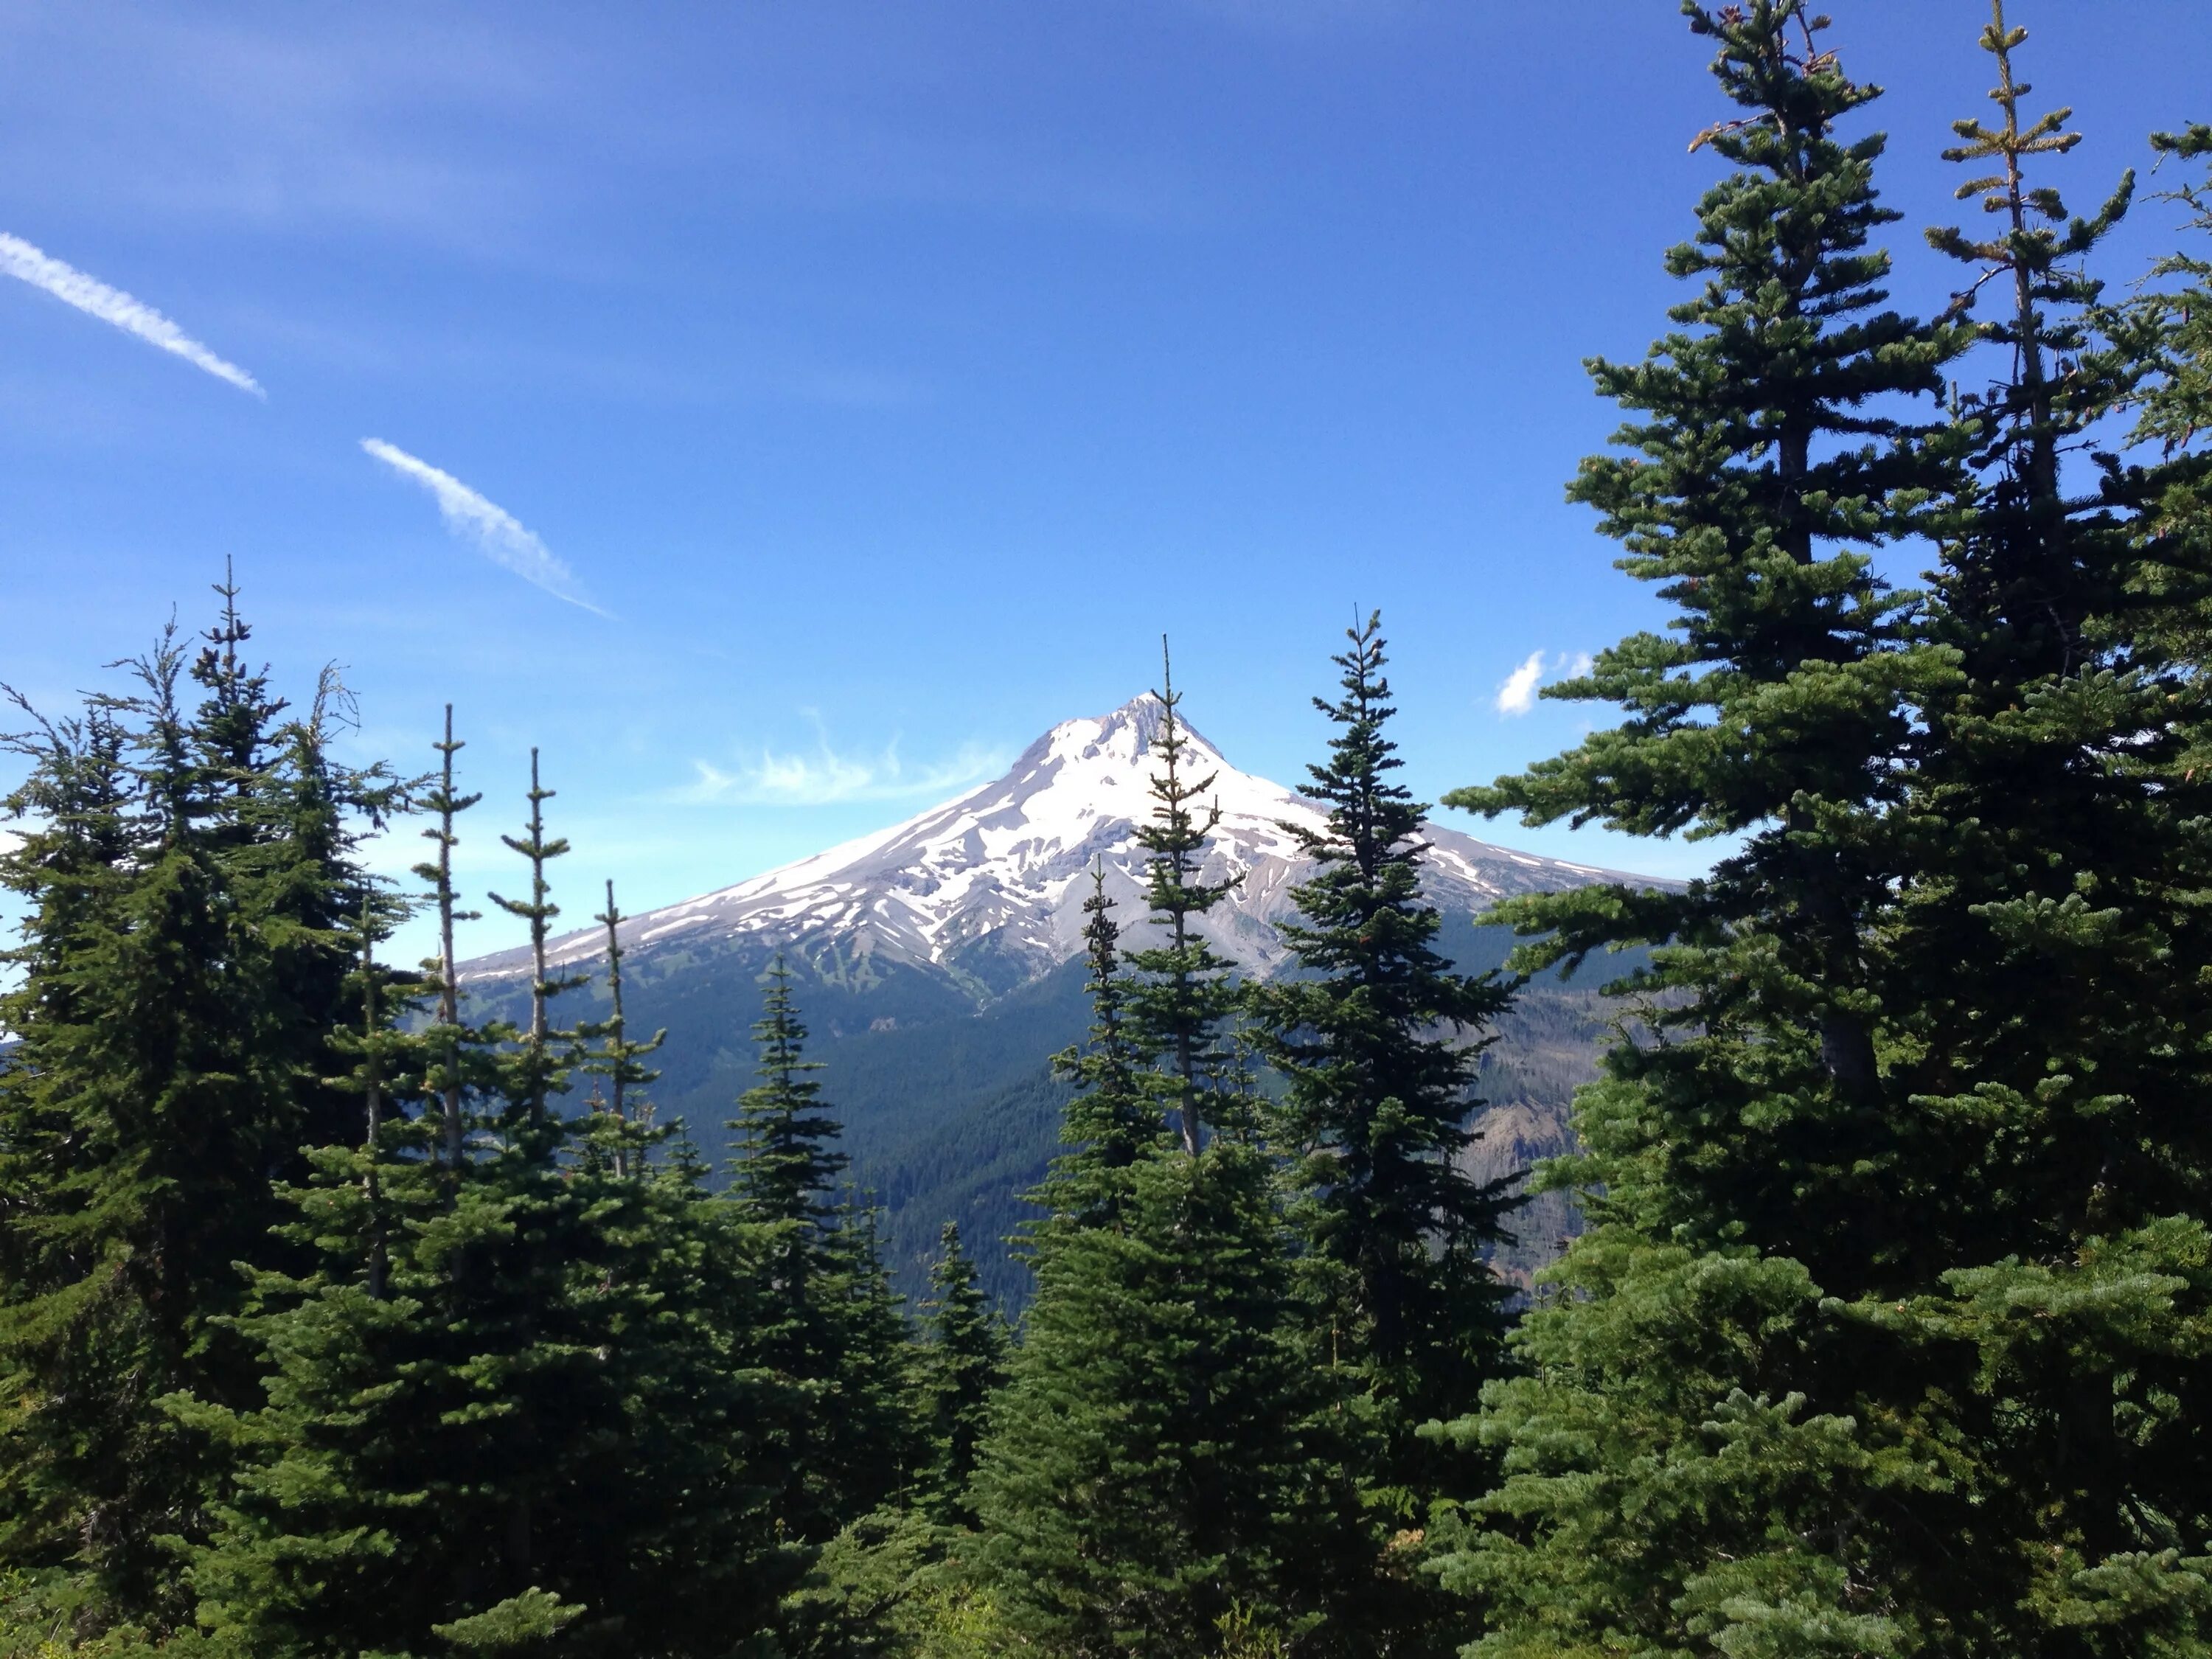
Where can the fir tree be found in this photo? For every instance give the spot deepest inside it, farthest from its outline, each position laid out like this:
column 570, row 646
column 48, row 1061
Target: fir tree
column 1704, row 1457
column 880, row 1441
column 625, row 1139
column 1163, row 1461
column 286, row 819
column 541, row 1069
column 1374, row 1038
column 448, row 1039
column 505, row 1408
column 156, row 1091
column 1180, row 994
column 64, row 1353
column 2050, row 943
column 964, row 1364
column 784, row 1168
column 828, row 1327
column 1371, row 1039
column 186, row 971
column 1112, row 1120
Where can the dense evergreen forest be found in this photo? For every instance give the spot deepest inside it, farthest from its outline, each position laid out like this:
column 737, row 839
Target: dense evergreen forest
column 337, row 1317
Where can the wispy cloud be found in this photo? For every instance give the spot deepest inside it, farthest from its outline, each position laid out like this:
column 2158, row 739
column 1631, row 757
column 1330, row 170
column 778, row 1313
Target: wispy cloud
column 1516, row 693
column 20, row 259
column 497, row 533
column 824, row 777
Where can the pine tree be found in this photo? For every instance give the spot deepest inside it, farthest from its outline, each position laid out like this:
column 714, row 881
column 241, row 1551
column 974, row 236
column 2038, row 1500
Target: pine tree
column 1372, row 1039
column 541, row 1066
column 964, row 1364
column 1112, row 1120
column 1164, row 1462
column 505, row 1408
column 185, row 970
column 1705, row 1457
column 829, row 1328
column 2047, row 1284
column 626, row 1137
column 1163, row 1459
column 153, row 1096
column 449, row 1041
column 1375, row 1039
column 1181, row 993
column 881, row 1441
column 57, row 1335
column 286, row 819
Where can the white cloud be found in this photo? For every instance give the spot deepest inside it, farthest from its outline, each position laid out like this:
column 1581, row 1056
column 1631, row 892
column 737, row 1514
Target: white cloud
column 18, row 258
column 825, row 777
column 497, row 531
column 1517, row 693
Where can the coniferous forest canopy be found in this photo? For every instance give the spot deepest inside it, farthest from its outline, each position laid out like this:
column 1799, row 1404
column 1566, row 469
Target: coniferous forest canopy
column 343, row 1313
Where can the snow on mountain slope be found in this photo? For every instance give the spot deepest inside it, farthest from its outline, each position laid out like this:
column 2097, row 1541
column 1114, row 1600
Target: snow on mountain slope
column 1002, row 871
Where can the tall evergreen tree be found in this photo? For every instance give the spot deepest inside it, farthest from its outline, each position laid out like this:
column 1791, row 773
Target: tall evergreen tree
column 157, row 1088
column 287, row 819
column 1372, row 1039
column 827, row 1327
column 1113, row 1119
column 1163, row 1461
column 625, row 1139
column 1706, row 1457
column 541, row 1062
column 1180, row 995
column 449, row 1042
column 505, row 1408
column 2050, row 947
column 65, row 1354
column 964, row 1365
column 1377, row 1040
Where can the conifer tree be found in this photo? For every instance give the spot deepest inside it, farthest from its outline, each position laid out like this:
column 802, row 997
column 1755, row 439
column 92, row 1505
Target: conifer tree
column 68, row 869
column 1112, row 1120
column 2047, row 1277
column 828, row 1327
column 541, row 1069
column 1703, row 1458
column 505, row 1408
column 153, row 1095
column 881, row 1441
column 1180, row 994
column 1372, row 1039
column 286, row 819
column 1163, row 1461
column 964, row 1364
column 626, row 1138
column 186, row 969
column 448, row 1039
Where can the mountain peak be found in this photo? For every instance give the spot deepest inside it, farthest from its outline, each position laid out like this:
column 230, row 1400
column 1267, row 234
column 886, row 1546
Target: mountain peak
column 988, row 888
column 1131, row 731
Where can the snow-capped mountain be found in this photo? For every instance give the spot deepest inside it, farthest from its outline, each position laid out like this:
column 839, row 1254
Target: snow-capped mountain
column 988, row 888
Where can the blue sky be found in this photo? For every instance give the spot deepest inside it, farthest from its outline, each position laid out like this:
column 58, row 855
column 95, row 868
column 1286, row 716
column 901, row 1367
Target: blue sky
column 868, row 387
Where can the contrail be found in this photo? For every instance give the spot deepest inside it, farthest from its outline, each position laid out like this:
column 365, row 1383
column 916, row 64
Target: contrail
column 112, row 305
column 491, row 527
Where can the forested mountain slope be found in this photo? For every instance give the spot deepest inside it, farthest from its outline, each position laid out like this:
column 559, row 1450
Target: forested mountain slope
column 936, row 964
